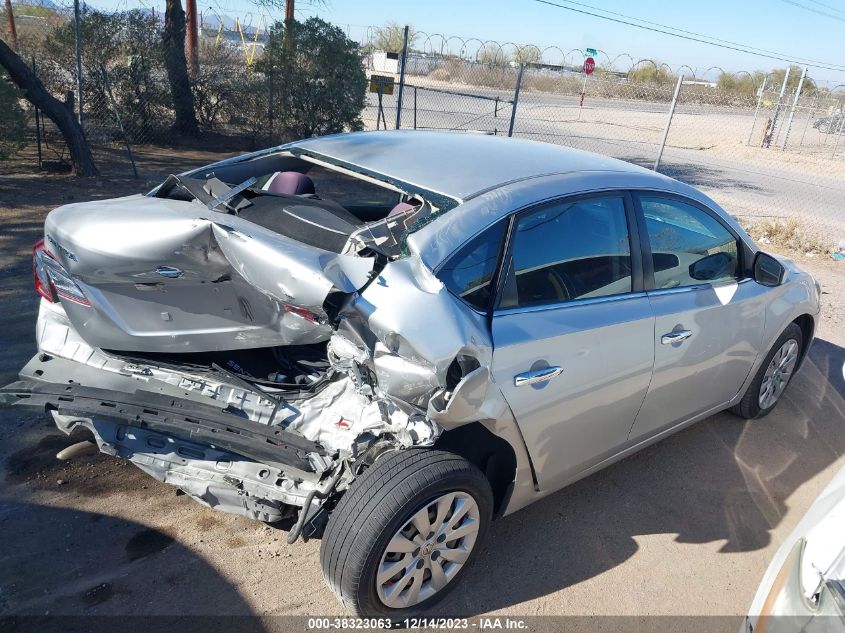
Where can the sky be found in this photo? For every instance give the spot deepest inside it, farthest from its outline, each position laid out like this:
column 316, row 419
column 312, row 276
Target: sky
column 781, row 26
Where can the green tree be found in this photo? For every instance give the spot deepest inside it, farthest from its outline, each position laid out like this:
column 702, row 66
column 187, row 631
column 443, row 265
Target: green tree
column 12, row 118
column 321, row 83
column 776, row 80
column 493, row 55
column 128, row 48
column 651, row 74
column 390, row 37
column 528, row 54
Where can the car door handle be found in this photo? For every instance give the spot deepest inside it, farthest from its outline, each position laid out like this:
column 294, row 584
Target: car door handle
column 536, row 376
column 675, row 337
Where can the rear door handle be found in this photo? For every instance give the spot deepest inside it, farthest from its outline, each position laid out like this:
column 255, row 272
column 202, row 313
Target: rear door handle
column 536, row 376
column 675, row 337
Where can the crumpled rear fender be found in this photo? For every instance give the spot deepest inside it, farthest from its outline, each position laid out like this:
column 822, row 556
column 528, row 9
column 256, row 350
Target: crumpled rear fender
column 428, row 348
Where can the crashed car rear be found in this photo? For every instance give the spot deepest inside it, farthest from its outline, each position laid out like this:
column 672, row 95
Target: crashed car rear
column 308, row 332
column 212, row 321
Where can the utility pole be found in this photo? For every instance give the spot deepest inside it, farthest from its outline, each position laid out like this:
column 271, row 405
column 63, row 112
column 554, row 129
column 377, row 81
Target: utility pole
column 289, row 23
column 192, row 39
column 10, row 18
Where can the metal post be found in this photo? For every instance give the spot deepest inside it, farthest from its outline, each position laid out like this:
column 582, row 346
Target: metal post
column 496, row 108
column 583, row 94
column 757, row 109
column 37, row 125
column 838, row 135
column 77, row 29
column 380, row 111
column 515, row 99
column 402, row 78
column 415, row 107
column 113, row 106
column 768, row 141
column 669, row 121
column 271, row 115
column 792, row 110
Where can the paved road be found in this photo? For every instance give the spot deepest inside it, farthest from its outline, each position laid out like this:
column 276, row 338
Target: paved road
column 706, row 146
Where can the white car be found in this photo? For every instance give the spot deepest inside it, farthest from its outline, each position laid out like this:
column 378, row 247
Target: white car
column 804, row 587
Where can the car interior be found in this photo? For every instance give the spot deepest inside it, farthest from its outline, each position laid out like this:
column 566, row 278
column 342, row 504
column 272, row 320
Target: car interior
column 310, row 203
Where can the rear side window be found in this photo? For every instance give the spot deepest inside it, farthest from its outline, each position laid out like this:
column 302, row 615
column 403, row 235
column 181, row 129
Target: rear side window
column 468, row 273
column 567, row 251
column 688, row 245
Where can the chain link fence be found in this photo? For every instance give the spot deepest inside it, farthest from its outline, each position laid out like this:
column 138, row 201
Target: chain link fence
column 769, row 148
column 775, row 161
column 126, row 105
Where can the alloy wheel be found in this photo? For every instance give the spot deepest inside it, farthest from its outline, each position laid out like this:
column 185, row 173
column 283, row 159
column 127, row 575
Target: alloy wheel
column 428, row 551
column 778, row 374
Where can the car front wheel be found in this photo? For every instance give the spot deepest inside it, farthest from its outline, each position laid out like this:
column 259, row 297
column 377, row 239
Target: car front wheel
column 404, row 532
column 774, row 375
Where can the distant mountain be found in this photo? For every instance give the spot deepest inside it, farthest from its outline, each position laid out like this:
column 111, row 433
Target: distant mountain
column 47, row 4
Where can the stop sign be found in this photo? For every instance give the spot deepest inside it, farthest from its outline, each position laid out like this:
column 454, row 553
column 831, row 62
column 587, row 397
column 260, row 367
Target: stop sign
column 589, row 66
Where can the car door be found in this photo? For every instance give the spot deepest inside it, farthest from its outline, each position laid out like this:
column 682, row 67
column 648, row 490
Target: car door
column 709, row 317
column 572, row 332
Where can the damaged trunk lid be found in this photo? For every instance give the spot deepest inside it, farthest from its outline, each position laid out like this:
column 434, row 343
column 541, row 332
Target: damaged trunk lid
column 165, row 275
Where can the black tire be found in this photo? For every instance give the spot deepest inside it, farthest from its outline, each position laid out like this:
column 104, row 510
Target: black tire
column 749, row 407
column 376, row 506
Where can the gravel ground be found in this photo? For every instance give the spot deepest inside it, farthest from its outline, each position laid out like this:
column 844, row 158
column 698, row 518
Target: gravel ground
column 685, row 527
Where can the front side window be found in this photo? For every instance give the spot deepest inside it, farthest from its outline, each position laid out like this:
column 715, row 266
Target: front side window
column 569, row 250
column 688, row 245
column 468, row 273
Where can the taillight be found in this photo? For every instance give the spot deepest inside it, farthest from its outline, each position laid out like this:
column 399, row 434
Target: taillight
column 42, row 281
column 303, row 312
column 52, row 280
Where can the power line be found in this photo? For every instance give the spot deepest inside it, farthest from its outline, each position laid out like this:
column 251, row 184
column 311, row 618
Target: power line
column 827, row 6
column 818, row 11
column 695, row 37
column 672, row 28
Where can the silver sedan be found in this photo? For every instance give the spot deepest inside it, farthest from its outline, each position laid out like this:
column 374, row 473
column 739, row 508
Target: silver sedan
column 393, row 338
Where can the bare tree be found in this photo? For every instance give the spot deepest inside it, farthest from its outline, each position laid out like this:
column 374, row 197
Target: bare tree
column 173, row 41
column 56, row 111
column 10, row 19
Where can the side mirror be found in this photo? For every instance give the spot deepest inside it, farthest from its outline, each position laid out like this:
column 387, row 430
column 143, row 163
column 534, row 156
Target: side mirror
column 767, row 270
column 715, row 266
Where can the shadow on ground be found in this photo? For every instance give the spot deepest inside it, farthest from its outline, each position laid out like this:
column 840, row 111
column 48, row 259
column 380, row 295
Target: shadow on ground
column 120, row 568
column 697, row 175
column 723, row 480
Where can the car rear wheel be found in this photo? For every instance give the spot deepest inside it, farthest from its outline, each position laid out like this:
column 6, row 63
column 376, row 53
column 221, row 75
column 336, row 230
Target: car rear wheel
column 774, row 375
column 404, row 532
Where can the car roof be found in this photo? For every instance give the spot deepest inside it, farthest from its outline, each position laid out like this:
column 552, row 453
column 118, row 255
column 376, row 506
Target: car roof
column 459, row 165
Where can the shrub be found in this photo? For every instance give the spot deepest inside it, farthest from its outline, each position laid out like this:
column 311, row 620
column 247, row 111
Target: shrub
column 440, row 74
column 321, row 86
column 125, row 47
column 786, row 233
column 218, row 88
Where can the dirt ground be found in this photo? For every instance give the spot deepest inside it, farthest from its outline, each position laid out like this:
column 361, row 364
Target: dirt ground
column 686, row 527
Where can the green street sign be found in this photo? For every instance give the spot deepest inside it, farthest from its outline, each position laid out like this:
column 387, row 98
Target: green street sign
column 590, row 52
